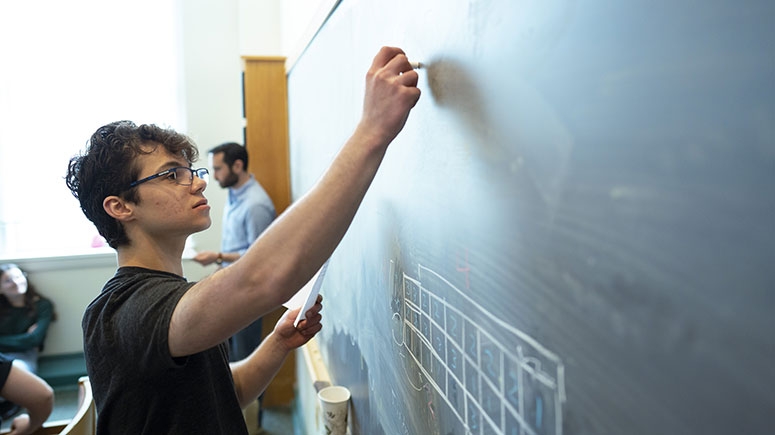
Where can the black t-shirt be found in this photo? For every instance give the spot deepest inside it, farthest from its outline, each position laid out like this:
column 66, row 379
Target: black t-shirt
column 138, row 387
column 5, row 369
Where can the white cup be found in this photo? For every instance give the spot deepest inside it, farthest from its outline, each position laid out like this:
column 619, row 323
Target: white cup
column 333, row 404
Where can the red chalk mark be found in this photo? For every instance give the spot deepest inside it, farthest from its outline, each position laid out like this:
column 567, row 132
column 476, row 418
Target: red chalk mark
column 430, row 401
column 464, row 269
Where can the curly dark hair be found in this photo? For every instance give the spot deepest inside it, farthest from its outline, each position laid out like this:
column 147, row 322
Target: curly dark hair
column 30, row 298
column 108, row 166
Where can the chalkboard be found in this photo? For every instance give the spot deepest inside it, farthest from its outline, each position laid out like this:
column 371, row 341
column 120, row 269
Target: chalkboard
column 574, row 233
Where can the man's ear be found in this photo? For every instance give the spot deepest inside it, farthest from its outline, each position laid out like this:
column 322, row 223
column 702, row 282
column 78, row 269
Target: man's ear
column 238, row 166
column 118, row 208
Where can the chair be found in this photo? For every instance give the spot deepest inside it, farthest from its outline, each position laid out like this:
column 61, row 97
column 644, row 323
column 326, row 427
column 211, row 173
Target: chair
column 85, row 420
column 83, row 423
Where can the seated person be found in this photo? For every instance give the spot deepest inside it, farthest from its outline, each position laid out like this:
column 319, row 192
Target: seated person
column 29, row 391
column 24, row 317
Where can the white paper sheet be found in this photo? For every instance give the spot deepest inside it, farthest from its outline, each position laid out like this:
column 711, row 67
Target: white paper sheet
column 306, row 297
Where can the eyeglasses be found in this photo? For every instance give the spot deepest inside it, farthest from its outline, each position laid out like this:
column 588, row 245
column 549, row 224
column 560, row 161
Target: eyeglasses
column 180, row 175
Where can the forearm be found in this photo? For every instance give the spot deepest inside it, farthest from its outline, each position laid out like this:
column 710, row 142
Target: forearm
column 230, row 257
column 39, row 413
column 253, row 374
column 298, row 243
column 206, row 258
column 19, row 342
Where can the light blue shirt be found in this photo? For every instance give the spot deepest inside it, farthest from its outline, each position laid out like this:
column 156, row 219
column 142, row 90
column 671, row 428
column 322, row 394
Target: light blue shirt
column 247, row 213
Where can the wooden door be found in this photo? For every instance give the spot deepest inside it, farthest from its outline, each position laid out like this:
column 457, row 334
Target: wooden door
column 265, row 109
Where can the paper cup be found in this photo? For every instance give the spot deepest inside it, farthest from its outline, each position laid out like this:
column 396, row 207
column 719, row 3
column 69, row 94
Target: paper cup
column 333, row 405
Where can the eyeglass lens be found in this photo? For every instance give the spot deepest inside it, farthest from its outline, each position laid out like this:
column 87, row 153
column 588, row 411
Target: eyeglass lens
column 203, row 174
column 185, row 176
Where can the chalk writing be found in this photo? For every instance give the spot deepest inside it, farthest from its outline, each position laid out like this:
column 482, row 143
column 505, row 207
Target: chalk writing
column 492, row 387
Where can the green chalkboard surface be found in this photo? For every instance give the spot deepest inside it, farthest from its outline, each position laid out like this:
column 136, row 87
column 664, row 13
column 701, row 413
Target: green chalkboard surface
column 574, row 233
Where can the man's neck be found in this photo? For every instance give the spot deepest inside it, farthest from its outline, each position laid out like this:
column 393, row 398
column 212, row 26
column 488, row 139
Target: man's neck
column 243, row 178
column 153, row 256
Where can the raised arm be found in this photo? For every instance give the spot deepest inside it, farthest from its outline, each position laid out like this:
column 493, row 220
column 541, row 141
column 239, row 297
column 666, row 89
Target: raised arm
column 291, row 250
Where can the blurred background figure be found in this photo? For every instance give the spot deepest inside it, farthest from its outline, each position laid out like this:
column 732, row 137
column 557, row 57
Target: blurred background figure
column 25, row 316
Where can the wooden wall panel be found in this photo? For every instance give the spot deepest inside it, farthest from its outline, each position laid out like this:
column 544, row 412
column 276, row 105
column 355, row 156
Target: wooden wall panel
column 266, row 126
column 265, row 102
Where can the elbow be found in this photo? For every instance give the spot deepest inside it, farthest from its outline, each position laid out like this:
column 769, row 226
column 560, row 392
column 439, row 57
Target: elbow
column 47, row 400
column 43, row 405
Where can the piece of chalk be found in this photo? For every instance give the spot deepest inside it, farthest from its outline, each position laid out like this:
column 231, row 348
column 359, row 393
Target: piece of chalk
column 416, row 65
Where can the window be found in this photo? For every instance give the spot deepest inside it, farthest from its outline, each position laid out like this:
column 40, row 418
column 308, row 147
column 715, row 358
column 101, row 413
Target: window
column 68, row 68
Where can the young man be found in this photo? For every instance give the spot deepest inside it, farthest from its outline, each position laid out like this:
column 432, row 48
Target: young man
column 154, row 343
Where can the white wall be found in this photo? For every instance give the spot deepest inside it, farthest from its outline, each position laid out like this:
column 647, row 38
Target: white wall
column 260, row 27
column 212, row 89
column 301, row 20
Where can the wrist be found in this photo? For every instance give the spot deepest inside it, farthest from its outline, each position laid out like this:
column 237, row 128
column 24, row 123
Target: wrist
column 276, row 345
column 219, row 259
column 369, row 137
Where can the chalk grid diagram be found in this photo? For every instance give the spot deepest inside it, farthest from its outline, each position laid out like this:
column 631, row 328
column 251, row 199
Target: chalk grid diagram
column 493, row 377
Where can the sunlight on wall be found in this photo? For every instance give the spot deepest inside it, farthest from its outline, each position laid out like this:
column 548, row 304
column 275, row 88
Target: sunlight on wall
column 61, row 80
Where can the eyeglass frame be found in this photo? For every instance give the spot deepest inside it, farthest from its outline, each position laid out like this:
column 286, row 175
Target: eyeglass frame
column 199, row 172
